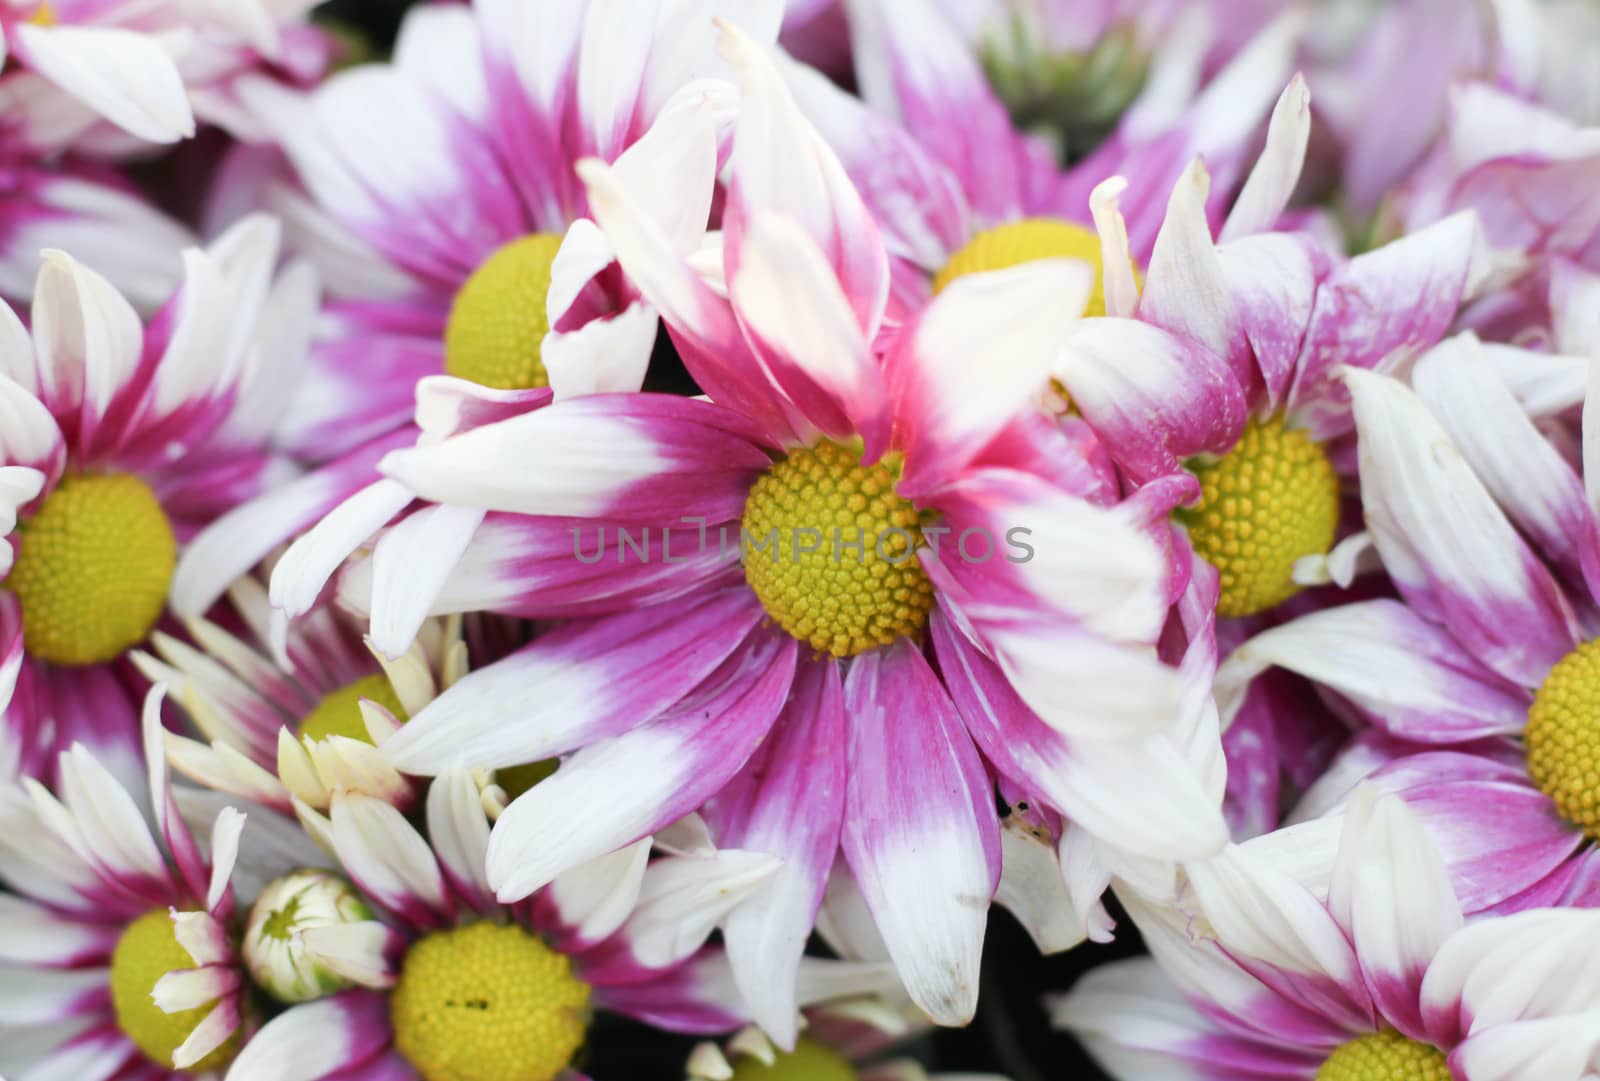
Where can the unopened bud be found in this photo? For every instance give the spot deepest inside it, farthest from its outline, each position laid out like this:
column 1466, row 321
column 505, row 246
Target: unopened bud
column 274, row 950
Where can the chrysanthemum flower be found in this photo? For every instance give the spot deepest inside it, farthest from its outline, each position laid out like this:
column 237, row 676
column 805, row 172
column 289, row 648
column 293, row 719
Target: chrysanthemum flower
column 300, row 725
column 1355, row 970
column 954, row 185
column 815, row 670
column 145, row 70
column 118, row 440
column 449, row 983
column 1221, row 363
column 1486, row 531
column 1282, row 309
column 117, row 943
column 441, row 193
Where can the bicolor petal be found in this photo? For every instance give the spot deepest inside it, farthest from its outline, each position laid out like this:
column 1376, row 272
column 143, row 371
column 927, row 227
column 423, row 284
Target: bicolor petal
column 920, row 828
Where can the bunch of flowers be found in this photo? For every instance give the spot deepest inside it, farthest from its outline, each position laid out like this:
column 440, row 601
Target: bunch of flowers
column 607, row 538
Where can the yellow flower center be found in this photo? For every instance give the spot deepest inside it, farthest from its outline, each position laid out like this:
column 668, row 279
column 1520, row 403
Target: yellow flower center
column 1018, row 242
column 488, row 1003
column 94, row 568
column 1385, row 1056
column 830, row 550
column 147, row 951
column 339, row 713
column 498, row 320
column 811, row 1061
column 1271, row 500
column 1563, row 737
column 43, row 15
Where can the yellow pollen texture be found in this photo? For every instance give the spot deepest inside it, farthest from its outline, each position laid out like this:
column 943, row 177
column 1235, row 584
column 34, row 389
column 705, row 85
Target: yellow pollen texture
column 147, row 951
column 1385, row 1056
column 488, row 1002
column 811, row 1061
column 339, row 713
column 498, row 320
column 1563, row 737
column 93, row 570
column 1018, row 242
column 1271, row 500
column 830, row 550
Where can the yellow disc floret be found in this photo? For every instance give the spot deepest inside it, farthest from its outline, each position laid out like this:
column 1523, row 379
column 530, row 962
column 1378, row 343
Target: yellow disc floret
column 339, row 713
column 1385, row 1056
column 1271, row 500
column 498, row 320
column 1563, row 737
column 830, row 550
column 810, row 1061
column 1018, row 242
column 93, row 569
column 488, row 1003
column 147, row 951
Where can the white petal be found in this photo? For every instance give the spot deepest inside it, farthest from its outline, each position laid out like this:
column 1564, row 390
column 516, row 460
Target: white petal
column 682, row 900
column 1260, row 912
column 1277, row 171
column 595, row 898
column 1121, row 287
column 386, row 856
column 87, row 336
column 459, row 829
column 124, row 75
column 300, row 575
column 410, row 564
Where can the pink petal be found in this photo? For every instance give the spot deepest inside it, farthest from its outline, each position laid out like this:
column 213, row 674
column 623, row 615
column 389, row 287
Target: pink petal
column 1447, row 545
column 920, row 828
column 975, row 358
column 781, row 165
column 585, row 681
column 1154, row 397
column 614, row 791
column 311, row 1041
column 1403, row 673
column 1381, row 305
column 666, row 458
column 789, row 801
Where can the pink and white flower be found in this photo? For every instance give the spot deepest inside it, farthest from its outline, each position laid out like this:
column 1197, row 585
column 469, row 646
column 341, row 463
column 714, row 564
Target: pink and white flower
column 115, row 944
column 954, row 184
column 112, row 76
column 1221, row 362
column 119, row 440
column 1474, row 682
column 1360, row 966
column 623, row 933
column 439, row 201
column 681, row 681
